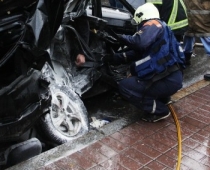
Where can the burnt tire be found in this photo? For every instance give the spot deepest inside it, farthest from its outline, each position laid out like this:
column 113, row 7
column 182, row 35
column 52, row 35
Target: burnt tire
column 67, row 119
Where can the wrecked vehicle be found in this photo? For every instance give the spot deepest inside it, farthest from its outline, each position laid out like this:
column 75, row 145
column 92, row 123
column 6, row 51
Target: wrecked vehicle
column 41, row 88
column 26, row 30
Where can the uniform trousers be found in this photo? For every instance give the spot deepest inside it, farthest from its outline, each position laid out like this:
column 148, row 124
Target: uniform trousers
column 152, row 99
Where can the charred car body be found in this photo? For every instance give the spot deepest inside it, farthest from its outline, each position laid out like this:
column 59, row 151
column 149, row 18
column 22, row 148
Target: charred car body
column 41, row 89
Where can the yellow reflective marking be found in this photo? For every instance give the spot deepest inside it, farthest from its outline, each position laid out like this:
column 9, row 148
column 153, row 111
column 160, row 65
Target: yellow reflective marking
column 173, row 13
column 179, row 24
column 159, row 2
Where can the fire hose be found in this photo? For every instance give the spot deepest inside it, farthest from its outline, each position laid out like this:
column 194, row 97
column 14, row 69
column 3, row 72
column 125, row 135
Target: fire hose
column 179, row 137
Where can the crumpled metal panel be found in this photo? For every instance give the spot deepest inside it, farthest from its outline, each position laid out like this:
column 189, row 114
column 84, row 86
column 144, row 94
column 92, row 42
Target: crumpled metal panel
column 26, row 30
column 30, row 27
column 63, row 57
column 45, row 21
column 22, row 103
column 11, row 7
column 75, row 8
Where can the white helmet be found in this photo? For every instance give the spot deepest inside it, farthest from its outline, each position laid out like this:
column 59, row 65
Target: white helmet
column 145, row 12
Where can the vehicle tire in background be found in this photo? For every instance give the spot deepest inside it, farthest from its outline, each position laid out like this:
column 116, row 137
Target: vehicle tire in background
column 67, row 119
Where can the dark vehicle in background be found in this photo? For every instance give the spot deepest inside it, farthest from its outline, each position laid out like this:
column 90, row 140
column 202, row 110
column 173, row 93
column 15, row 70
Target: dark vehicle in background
column 41, row 89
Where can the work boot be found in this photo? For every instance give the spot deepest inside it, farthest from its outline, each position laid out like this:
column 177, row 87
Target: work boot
column 207, row 77
column 152, row 118
column 188, row 58
column 166, row 100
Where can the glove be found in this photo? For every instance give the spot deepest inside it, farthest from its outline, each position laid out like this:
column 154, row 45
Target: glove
column 118, row 37
column 113, row 59
column 107, row 58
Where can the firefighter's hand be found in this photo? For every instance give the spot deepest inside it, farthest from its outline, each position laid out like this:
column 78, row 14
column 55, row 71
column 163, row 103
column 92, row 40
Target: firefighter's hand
column 119, row 36
column 107, row 58
column 113, row 59
column 80, row 60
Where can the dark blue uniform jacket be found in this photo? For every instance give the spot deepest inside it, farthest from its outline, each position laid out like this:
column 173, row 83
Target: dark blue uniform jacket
column 139, row 43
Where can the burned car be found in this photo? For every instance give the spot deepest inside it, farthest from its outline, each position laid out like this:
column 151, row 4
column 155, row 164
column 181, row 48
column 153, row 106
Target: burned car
column 70, row 84
column 41, row 88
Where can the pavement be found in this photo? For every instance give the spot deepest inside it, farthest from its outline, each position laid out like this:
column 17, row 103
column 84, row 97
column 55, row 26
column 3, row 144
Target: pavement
column 137, row 145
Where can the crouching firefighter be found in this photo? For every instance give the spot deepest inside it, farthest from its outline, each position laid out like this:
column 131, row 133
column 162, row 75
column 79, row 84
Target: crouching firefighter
column 156, row 62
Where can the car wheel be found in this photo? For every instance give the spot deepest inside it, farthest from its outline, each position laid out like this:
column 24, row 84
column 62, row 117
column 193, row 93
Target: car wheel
column 67, row 119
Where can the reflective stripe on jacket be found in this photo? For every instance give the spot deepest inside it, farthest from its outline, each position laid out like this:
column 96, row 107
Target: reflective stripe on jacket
column 162, row 54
